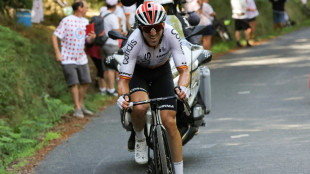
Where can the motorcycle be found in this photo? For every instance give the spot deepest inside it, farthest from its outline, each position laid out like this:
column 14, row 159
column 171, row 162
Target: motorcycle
column 200, row 87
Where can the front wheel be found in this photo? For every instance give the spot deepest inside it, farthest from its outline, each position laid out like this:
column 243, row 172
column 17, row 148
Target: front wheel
column 162, row 153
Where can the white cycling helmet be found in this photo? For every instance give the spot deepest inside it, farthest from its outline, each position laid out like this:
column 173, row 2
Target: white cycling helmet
column 150, row 13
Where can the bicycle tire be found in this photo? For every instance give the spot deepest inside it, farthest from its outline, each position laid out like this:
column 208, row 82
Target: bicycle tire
column 163, row 151
column 168, row 152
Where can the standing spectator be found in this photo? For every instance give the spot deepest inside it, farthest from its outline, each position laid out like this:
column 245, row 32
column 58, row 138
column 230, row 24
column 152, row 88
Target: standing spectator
column 103, row 9
column 305, row 8
column 252, row 13
column 206, row 17
column 278, row 14
column 130, row 14
column 120, row 13
column 93, row 51
column 71, row 32
column 128, row 3
column 111, row 22
column 192, row 5
column 239, row 9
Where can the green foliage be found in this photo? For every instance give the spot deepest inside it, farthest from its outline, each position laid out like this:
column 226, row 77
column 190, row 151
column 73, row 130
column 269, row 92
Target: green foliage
column 21, row 58
column 56, row 108
column 51, row 136
column 19, row 141
column 28, row 73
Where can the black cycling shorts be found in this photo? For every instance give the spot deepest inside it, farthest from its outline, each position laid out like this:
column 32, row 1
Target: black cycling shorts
column 156, row 83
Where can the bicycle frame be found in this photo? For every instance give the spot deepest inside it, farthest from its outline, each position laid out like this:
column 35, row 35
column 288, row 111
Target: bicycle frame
column 157, row 139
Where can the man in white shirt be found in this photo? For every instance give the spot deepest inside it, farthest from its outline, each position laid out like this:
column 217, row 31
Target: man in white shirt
column 71, row 32
column 120, row 13
column 239, row 13
column 111, row 22
column 130, row 13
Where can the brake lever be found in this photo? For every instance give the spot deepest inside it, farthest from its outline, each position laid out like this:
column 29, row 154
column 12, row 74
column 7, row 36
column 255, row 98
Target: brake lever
column 187, row 108
column 125, row 118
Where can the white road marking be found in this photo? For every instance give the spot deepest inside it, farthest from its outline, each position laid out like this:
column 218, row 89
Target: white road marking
column 239, row 136
column 243, row 92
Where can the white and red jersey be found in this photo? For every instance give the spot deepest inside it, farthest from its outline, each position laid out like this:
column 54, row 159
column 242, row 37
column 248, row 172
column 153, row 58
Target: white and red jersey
column 71, row 31
column 136, row 51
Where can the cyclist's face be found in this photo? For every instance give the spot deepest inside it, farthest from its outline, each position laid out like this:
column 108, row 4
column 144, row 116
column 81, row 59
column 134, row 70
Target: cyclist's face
column 152, row 34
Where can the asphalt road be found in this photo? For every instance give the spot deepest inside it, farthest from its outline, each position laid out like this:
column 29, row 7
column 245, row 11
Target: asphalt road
column 259, row 122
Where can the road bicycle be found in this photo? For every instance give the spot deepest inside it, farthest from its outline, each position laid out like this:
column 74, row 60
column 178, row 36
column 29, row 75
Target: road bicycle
column 159, row 152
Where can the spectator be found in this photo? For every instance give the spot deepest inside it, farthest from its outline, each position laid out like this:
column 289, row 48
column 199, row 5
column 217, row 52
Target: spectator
column 278, row 14
column 103, row 9
column 120, row 13
column 239, row 9
column 206, row 17
column 130, row 14
column 128, row 3
column 252, row 13
column 192, row 5
column 71, row 32
column 305, row 8
column 93, row 51
column 111, row 22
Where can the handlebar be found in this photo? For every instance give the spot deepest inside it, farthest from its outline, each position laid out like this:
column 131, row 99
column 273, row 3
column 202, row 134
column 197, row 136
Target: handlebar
column 187, row 108
column 151, row 100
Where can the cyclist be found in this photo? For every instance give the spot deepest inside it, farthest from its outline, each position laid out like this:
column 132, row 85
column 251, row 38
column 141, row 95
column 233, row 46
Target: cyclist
column 146, row 73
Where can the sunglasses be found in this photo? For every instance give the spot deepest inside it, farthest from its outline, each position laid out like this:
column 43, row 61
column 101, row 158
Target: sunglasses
column 148, row 28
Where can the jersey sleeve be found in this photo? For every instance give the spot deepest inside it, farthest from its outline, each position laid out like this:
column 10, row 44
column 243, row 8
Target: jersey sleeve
column 176, row 49
column 131, row 51
column 60, row 31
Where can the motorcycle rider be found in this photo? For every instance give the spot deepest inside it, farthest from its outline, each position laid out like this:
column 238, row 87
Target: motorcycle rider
column 146, row 73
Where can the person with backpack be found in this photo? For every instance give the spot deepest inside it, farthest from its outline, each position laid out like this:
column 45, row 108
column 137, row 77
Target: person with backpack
column 93, row 50
column 110, row 22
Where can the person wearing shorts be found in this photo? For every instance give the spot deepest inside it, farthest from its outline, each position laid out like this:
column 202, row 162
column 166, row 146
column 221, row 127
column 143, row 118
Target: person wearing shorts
column 239, row 9
column 93, row 51
column 252, row 13
column 206, row 18
column 71, row 32
column 278, row 14
column 111, row 22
